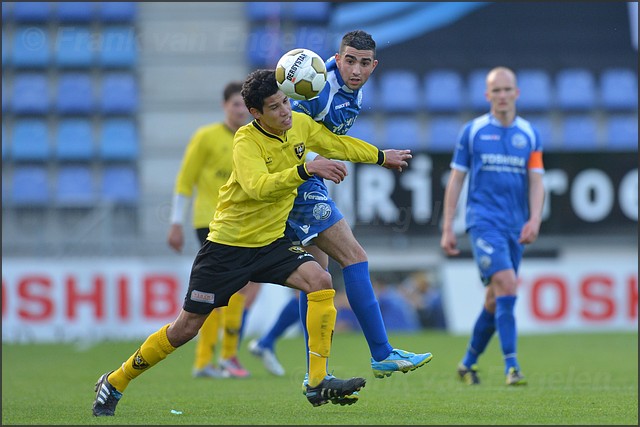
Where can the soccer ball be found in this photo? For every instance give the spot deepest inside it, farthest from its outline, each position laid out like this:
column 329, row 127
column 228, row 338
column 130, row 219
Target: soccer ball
column 301, row 74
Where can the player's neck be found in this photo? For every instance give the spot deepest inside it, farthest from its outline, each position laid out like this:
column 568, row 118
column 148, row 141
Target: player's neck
column 505, row 118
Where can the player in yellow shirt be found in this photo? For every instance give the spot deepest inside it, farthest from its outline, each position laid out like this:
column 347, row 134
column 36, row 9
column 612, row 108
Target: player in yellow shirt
column 246, row 241
column 205, row 168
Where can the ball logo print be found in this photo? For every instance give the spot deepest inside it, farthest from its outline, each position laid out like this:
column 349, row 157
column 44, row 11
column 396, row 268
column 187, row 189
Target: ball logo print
column 301, row 74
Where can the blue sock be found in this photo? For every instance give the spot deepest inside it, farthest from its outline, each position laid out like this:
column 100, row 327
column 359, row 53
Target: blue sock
column 365, row 306
column 482, row 332
column 506, row 326
column 303, row 320
column 289, row 315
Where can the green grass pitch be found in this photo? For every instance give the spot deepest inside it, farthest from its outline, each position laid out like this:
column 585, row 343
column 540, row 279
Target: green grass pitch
column 579, row 379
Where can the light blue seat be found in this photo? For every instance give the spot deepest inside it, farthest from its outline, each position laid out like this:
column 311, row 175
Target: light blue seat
column 444, row 91
column 74, row 47
column 576, row 89
column 30, row 94
column 619, row 89
column 311, row 37
column 74, row 140
column 76, row 12
column 264, row 47
column 403, row 132
column 476, row 89
column 443, row 133
column 32, row 12
column 30, row 47
column 257, row 11
column 5, row 98
column 30, row 141
column 117, row 11
column 118, row 47
column 6, row 51
column 579, row 133
column 75, row 187
column 545, row 128
column 535, row 90
column 119, row 94
column 311, row 11
column 30, row 186
column 120, row 185
column 75, row 94
column 370, row 96
column 622, row 133
column 7, row 11
column 118, row 140
column 400, row 92
column 365, row 129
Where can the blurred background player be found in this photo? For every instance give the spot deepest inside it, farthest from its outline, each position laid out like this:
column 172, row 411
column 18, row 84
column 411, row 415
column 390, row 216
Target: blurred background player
column 317, row 223
column 502, row 154
column 205, row 167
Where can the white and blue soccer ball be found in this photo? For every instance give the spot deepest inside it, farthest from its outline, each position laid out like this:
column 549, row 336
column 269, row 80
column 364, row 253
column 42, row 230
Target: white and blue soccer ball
column 301, row 74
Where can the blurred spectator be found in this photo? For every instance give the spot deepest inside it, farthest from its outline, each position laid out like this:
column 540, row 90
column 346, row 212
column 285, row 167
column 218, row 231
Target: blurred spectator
column 420, row 290
column 397, row 312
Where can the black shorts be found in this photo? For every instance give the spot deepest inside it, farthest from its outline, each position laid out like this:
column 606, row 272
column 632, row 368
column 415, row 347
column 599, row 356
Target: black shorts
column 220, row 271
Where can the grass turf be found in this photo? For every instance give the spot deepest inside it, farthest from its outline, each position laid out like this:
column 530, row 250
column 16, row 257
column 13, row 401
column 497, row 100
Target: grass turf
column 579, row 379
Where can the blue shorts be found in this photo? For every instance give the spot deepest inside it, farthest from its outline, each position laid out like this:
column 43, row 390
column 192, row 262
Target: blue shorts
column 495, row 250
column 313, row 212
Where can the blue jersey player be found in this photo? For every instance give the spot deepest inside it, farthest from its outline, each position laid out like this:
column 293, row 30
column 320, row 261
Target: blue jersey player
column 317, row 223
column 502, row 154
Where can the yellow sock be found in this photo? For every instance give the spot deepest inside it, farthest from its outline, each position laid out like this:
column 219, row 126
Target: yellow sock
column 232, row 324
column 153, row 350
column 321, row 320
column 207, row 339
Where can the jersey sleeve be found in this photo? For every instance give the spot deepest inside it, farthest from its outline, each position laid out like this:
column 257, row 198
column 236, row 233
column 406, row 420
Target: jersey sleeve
column 462, row 152
column 191, row 165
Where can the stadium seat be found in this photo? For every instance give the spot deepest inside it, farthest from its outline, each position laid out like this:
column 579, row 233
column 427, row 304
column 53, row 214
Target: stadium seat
column 74, row 47
column 622, row 133
column 30, row 141
column 74, row 140
column 30, row 47
column 5, row 145
column 75, row 94
column 619, row 89
column 311, row 37
column 7, row 11
column 119, row 94
column 30, row 94
column 443, row 133
column 535, row 90
column 257, row 11
column 117, row 11
column 264, row 47
column 76, row 12
column 370, row 95
column 400, row 92
column 576, row 89
column 118, row 47
column 476, row 88
column 120, row 185
column 5, row 98
column 579, row 133
column 75, row 187
column 6, row 53
column 313, row 11
column 544, row 125
column 403, row 132
column 118, row 140
column 30, row 186
column 444, row 91
column 32, row 12
column 365, row 128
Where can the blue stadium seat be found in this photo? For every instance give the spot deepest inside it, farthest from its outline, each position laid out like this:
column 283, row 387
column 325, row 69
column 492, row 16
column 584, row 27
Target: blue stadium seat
column 263, row 11
column 32, row 12
column 30, row 141
column 535, row 90
column 622, row 133
column 75, row 187
column 30, row 47
column 311, row 37
column 579, row 133
column 74, row 140
column 400, row 92
column 5, row 98
column 370, row 94
column 311, row 11
column 365, row 128
column 443, row 133
column 6, row 53
column 76, row 12
column 264, row 47
column 444, row 91
column 30, row 94
column 576, row 89
column 118, row 47
column 75, row 94
column 619, row 89
column 117, row 11
column 403, row 132
column 5, row 145
column 30, row 186
column 544, row 125
column 7, row 11
column 120, row 185
column 476, row 88
column 119, row 94
column 118, row 140
column 74, row 47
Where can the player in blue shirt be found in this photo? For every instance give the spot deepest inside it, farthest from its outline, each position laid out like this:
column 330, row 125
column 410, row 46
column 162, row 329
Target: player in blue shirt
column 317, row 223
column 502, row 154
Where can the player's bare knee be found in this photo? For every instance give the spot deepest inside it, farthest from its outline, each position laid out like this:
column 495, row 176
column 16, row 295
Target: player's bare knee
column 320, row 282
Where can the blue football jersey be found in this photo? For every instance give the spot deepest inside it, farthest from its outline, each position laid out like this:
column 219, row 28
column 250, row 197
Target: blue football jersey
column 496, row 159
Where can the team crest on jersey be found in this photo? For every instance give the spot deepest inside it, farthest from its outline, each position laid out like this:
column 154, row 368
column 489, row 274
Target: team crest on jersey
column 138, row 361
column 519, row 141
column 299, row 149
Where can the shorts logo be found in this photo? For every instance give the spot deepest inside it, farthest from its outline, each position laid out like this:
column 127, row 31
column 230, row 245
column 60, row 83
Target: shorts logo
column 297, row 250
column 321, row 211
column 484, row 261
column 299, row 149
column 315, row 195
column 305, row 228
column 205, row 297
column 484, row 245
column 138, row 361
